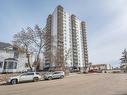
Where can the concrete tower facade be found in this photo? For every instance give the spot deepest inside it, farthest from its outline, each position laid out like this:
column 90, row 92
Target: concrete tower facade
column 66, row 42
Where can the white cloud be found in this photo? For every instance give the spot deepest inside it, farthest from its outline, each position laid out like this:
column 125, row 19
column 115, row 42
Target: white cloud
column 108, row 42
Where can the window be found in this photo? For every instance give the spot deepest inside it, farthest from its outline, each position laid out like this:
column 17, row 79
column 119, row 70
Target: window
column 5, row 65
column 15, row 65
column 56, row 72
column 1, row 63
column 37, row 73
column 16, row 54
column 30, row 74
column 10, row 65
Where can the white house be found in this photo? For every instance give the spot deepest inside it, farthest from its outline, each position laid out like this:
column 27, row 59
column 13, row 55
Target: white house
column 12, row 60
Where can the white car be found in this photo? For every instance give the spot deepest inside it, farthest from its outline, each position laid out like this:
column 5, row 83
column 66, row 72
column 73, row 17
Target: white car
column 29, row 76
column 54, row 75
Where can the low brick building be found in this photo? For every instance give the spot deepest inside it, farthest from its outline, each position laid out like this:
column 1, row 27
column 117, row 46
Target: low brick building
column 98, row 67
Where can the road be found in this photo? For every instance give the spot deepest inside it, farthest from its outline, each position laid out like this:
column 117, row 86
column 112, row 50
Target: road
column 77, row 84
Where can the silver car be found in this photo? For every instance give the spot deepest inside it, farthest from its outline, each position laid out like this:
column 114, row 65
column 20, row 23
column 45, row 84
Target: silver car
column 54, row 75
column 29, row 76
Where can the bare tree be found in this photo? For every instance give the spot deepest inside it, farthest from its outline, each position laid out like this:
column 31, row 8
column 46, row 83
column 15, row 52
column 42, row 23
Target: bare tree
column 22, row 40
column 53, row 55
column 67, row 55
column 66, row 58
column 124, row 61
column 37, row 35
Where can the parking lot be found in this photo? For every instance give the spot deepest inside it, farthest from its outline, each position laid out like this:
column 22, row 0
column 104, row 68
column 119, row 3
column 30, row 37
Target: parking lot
column 75, row 84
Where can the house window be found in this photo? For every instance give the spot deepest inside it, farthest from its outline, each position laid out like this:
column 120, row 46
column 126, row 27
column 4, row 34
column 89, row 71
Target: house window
column 16, row 54
column 1, row 63
column 5, row 65
column 15, row 65
column 10, row 65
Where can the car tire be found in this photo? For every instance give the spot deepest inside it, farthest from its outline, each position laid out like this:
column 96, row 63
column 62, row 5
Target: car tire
column 14, row 81
column 61, row 77
column 35, row 79
column 49, row 78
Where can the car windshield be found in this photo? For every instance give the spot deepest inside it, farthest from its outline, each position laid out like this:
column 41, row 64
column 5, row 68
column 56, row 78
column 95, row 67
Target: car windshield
column 37, row 73
column 27, row 74
column 56, row 72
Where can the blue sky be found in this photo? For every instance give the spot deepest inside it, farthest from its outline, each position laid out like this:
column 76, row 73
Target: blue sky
column 106, row 23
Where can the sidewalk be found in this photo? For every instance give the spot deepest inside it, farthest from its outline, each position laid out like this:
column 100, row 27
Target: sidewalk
column 3, row 78
column 2, row 82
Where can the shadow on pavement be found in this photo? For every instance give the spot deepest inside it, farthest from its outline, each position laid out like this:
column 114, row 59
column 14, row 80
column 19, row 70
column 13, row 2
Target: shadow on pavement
column 3, row 84
column 121, row 94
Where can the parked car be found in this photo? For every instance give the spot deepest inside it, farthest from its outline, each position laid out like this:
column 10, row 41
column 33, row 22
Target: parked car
column 29, row 76
column 92, row 71
column 54, row 75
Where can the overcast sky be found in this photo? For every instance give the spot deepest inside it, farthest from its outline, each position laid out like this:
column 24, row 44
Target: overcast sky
column 106, row 23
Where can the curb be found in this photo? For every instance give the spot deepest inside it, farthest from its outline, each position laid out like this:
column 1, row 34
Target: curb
column 2, row 82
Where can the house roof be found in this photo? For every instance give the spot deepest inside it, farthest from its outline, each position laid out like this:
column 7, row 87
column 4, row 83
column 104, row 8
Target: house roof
column 4, row 45
column 11, row 59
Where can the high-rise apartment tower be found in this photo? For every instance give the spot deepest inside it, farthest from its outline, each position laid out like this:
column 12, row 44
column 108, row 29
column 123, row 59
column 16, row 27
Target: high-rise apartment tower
column 66, row 42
